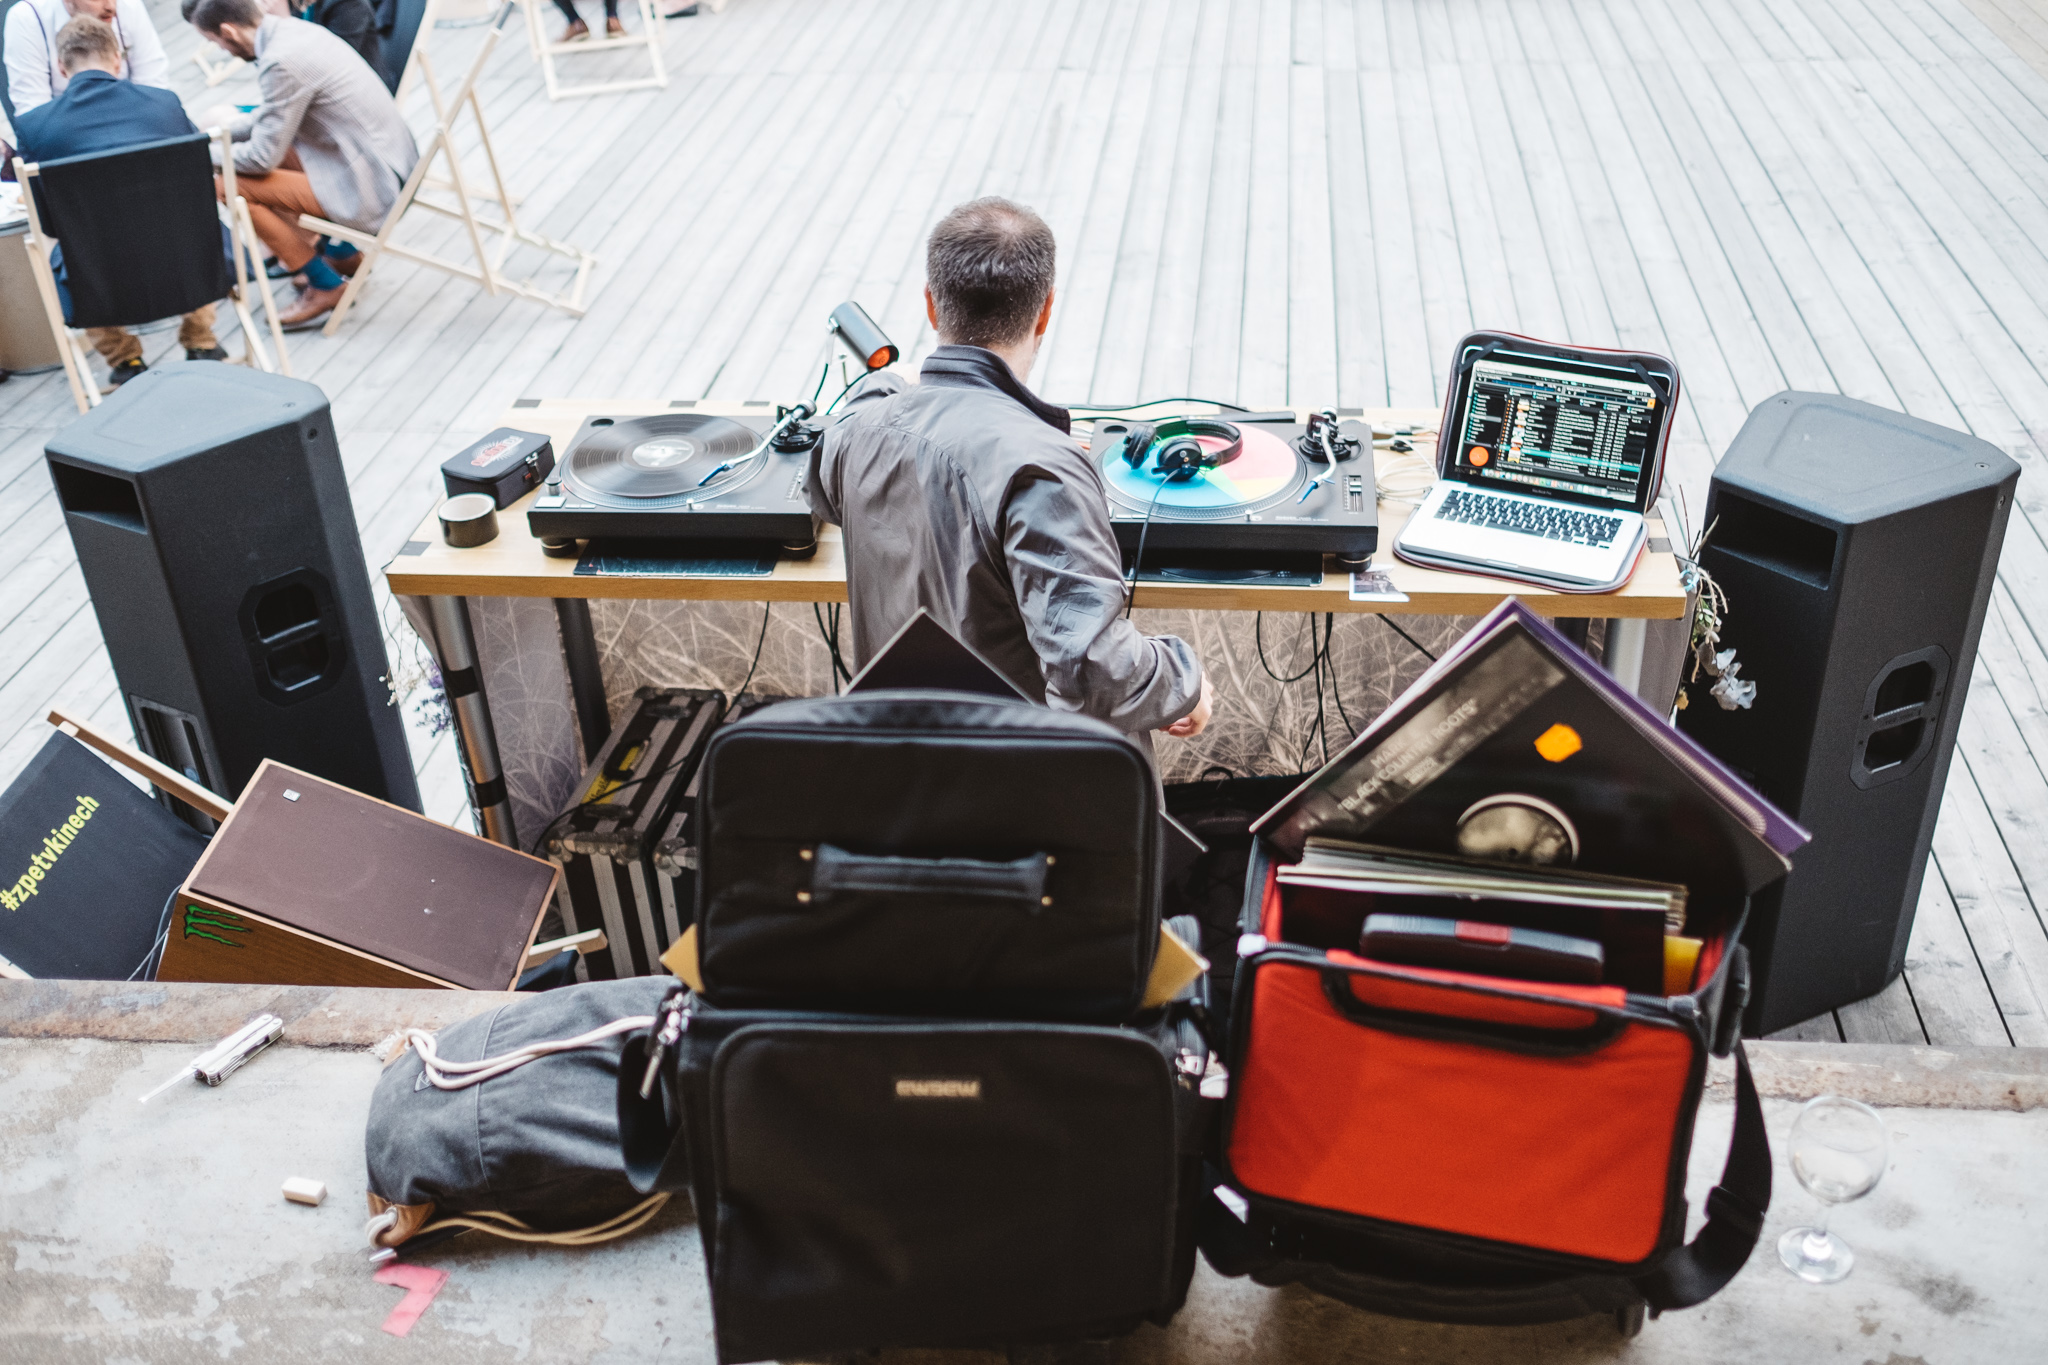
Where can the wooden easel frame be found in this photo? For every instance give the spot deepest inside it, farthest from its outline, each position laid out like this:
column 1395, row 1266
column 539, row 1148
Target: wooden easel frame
column 653, row 36
column 234, row 211
column 490, row 259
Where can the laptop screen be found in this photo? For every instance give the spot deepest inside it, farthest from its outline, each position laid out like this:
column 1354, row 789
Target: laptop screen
column 1574, row 430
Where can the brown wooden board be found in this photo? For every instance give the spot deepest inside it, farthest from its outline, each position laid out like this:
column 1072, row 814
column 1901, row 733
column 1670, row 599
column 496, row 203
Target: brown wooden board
column 213, row 942
column 304, row 854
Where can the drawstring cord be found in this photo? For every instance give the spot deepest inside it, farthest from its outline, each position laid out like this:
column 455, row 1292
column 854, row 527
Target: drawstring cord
column 446, row 1075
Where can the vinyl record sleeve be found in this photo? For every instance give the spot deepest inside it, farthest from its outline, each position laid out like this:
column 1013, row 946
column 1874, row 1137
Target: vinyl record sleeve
column 88, row 863
column 1516, row 708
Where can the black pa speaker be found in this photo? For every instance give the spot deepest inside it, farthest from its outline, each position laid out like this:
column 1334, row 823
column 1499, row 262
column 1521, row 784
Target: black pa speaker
column 212, row 520
column 1857, row 548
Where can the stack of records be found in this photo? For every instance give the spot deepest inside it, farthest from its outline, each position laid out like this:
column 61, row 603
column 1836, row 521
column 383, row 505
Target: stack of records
column 1518, row 784
column 1336, row 882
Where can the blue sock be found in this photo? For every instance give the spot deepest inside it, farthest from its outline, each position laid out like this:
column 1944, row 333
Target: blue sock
column 339, row 251
column 320, row 275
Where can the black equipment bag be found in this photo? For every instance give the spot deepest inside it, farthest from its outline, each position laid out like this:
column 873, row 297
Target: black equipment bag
column 910, row 1182
column 919, row 852
column 1510, row 1151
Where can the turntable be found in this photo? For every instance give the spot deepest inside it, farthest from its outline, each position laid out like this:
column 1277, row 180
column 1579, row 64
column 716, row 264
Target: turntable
column 1211, row 498
column 684, row 480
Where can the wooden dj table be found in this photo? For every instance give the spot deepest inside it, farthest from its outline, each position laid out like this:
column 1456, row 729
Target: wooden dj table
column 441, row 582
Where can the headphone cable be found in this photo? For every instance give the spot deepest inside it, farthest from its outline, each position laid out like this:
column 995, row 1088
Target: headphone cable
column 1138, row 560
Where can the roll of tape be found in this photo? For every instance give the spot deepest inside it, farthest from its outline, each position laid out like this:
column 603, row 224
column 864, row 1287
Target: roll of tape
column 469, row 519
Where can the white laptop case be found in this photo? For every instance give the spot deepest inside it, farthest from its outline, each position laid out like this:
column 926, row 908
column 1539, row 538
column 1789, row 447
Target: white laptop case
column 1548, row 457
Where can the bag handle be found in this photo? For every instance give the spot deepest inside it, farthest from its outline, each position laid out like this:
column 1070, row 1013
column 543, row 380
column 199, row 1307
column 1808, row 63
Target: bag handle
column 1021, row 880
column 1508, row 1037
column 1698, row 1270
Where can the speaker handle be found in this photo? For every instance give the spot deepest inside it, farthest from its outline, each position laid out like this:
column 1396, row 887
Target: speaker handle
column 162, row 775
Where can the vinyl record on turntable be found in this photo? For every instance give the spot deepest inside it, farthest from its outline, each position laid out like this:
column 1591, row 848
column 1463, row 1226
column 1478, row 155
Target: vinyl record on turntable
column 657, row 457
column 679, row 486
column 1250, row 517
column 1264, row 473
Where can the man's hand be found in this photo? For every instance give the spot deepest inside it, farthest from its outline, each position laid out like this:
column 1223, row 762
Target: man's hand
column 1197, row 720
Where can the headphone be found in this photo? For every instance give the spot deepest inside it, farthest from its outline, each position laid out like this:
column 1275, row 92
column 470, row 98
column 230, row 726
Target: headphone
column 1178, row 455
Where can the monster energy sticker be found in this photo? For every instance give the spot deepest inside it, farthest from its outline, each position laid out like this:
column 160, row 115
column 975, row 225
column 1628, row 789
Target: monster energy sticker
column 201, row 922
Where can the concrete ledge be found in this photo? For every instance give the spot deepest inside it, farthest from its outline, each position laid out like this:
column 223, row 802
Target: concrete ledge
column 2008, row 1078
column 195, row 1012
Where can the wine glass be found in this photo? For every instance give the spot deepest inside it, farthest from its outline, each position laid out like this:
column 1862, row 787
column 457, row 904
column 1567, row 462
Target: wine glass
column 1839, row 1152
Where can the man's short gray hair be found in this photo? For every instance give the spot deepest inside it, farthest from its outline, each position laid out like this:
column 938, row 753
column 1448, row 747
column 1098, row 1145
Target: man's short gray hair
column 85, row 39
column 990, row 268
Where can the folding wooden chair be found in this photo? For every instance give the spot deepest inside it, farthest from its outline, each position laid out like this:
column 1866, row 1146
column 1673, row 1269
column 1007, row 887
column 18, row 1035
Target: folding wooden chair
column 653, row 34
column 217, row 65
column 505, row 230
column 140, row 231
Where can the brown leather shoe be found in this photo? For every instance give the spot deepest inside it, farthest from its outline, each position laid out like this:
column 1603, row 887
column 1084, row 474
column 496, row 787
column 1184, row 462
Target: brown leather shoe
column 309, row 310
column 575, row 33
column 344, row 266
column 613, row 28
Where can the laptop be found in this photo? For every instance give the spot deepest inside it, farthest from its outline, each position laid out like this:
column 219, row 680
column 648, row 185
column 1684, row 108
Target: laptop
column 1548, row 457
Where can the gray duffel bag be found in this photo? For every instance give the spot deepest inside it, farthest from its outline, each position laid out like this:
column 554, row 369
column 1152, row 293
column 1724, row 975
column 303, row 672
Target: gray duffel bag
column 508, row 1123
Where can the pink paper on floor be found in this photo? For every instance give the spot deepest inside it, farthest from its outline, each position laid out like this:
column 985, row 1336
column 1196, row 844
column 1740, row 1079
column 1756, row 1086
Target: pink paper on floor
column 420, row 1284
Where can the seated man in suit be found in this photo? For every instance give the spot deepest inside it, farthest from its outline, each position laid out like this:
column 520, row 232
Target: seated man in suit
column 34, row 75
column 100, row 112
column 327, row 140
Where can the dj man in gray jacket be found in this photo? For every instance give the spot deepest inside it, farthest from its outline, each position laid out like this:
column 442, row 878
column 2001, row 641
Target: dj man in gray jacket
column 966, row 495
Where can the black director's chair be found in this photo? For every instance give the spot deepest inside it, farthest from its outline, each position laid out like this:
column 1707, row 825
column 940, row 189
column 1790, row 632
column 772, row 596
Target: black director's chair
column 141, row 235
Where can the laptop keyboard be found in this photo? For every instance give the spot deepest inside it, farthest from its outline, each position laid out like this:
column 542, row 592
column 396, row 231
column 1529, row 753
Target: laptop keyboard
column 1552, row 521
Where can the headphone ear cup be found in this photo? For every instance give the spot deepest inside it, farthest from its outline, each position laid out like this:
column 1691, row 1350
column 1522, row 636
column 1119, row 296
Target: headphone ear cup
column 1181, row 458
column 1138, row 442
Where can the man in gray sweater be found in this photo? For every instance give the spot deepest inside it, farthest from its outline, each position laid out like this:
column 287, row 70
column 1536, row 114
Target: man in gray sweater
column 966, row 494
column 327, row 140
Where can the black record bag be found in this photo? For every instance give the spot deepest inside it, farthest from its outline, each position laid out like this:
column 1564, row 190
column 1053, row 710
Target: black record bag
column 928, row 852
column 917, row 1101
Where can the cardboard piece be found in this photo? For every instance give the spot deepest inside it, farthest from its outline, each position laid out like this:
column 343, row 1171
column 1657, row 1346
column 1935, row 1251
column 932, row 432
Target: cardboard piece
column 1174, row 967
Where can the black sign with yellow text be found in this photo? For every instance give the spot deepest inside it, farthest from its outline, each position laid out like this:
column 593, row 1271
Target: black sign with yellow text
column 88, row 863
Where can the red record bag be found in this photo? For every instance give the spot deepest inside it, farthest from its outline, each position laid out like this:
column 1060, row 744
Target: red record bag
column 1464, row 1148
column 1458, row 1147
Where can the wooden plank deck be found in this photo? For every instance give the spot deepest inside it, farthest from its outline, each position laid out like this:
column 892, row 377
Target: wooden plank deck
column 1264, row 201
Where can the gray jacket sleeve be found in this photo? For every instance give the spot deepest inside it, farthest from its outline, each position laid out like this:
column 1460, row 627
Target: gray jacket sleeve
column 1067, row 574
column 267, row 137
column 818, row 490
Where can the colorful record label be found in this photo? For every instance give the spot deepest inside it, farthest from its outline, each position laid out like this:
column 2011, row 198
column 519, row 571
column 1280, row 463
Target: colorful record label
column 1265, row 470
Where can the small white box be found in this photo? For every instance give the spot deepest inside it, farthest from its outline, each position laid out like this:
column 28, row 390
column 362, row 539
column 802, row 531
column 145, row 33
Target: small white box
column 303, row 1191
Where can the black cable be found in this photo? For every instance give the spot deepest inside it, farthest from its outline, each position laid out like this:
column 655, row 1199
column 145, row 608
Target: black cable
column 1259, row 639
column 830, row 634
column 1321, row 661
column 1133, row 407
column 1138, row 560
column 1409, row 638
column 843, row 392
column 766, row 609
column 1336, row 693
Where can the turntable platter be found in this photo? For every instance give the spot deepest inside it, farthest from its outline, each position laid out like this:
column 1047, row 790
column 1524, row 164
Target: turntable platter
column 1266, row 472
column 659, row 457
